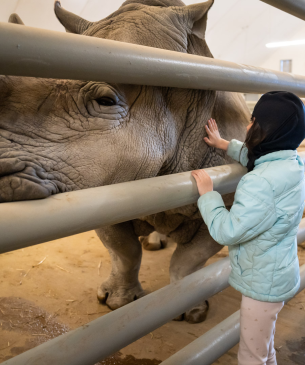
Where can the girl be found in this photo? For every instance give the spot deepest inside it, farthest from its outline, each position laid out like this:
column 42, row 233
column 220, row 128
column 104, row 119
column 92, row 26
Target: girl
column 262, row 225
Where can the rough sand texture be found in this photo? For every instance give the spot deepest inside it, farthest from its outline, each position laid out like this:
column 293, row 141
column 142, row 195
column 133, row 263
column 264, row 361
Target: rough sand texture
column 40, row 302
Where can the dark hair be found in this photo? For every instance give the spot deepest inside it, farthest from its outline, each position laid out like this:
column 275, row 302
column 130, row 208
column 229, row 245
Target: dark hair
column 255, row 136
column 278, row 125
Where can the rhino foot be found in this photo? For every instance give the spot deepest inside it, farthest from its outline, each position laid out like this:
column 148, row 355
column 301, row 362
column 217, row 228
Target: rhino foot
column 155, row 241
column 197, row 314
column 115, row 296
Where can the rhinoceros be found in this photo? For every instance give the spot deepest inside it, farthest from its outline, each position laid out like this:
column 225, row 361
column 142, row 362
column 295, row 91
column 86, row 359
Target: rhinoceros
column 62, row 135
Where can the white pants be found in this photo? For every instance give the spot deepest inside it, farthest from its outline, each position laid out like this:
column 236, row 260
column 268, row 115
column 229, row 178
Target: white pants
column 257, row 329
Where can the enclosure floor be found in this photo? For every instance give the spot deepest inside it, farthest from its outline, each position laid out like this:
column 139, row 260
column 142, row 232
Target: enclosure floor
column 41, row 301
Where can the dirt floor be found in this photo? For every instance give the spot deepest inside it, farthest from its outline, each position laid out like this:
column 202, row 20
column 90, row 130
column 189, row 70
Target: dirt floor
column 49, row 289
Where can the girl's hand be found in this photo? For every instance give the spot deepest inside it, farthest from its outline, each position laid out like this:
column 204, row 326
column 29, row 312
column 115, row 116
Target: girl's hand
column 214, row 139
column 203, row 180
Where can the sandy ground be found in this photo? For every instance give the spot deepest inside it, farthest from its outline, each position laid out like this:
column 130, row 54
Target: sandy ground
column 50, row 288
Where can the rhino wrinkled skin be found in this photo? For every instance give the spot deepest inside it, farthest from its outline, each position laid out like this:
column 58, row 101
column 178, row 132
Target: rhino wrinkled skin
column 60, row 135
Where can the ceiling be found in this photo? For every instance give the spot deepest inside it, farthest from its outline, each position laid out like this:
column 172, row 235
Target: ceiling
column 237, row 29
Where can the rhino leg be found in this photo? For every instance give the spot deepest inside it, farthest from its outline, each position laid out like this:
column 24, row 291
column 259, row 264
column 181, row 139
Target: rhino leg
column 153, row 242
column 122, row 285
column 188, row 258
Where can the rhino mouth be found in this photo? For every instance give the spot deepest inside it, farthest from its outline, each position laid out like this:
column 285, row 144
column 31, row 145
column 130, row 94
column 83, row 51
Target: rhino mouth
column 21, row 181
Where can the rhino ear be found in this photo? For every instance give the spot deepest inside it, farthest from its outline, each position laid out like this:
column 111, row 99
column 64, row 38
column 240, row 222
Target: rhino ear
column 72, row 23
column 15, row 19
column 198, row 15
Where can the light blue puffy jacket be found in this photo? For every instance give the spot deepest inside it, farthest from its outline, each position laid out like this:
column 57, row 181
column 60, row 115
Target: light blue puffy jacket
column 262, row 225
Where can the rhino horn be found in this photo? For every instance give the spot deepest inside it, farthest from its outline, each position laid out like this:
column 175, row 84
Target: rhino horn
column 198, row 15
column 72, row 22
column 15, row 19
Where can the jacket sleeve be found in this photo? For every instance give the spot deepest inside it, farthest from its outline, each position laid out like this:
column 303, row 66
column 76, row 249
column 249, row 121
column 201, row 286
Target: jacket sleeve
column 253, row 212
column 238, row 151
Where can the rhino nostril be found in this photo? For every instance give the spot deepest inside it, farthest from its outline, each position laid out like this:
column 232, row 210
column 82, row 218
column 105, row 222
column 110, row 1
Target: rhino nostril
column 9, row 166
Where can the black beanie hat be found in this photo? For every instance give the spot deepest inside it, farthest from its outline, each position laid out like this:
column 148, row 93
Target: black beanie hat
column 282, row 114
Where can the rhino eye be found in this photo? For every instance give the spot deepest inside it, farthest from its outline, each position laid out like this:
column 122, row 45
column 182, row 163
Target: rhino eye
column 105, row 101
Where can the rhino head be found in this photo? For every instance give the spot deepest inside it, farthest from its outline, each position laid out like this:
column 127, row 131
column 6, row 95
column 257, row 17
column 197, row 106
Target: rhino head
column 62, row 135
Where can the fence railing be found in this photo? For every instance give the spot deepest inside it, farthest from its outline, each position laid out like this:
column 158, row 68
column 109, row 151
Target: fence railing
column 293, row 7
column 70, row 213
column 27, row 51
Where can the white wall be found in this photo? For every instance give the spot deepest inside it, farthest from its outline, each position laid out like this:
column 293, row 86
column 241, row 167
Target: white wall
column 294, row 53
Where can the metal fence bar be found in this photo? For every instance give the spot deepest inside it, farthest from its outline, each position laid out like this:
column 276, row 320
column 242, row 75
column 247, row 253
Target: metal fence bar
column 110, row 333
column 211, row 346
column 106, row 335
column 293, row 7
column 216, row 342
column 27, row 51
column 70, row 213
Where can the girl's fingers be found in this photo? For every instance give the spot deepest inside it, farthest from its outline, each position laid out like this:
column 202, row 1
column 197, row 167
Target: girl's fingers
column 195, row 176
column 208, row 130
column 214, row 125
column 207, row 141
column 211, row 126
column 201, row 176
column 205, row 174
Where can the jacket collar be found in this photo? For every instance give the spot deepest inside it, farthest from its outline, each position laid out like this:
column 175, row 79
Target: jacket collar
column 279, row 155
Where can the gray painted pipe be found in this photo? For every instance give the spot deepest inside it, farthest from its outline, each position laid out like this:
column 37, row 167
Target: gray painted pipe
column 27, row 223
column 106, row 335
column 70, row 213
column 27, row 51
column 293, row 7
column 211, row 346
column 216, row 342
column 110, row 333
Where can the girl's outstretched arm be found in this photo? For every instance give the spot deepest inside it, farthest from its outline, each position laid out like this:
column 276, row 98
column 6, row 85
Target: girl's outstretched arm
column 235, row 149
column 252, row 213
column 214, row 139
